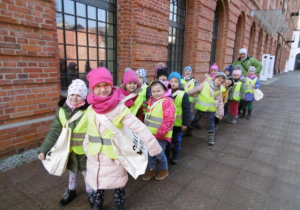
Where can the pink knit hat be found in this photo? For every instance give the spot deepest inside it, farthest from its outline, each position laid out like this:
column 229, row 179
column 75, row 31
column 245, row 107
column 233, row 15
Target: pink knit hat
column 214, row 67
column 131, row 76
column 237, row 72
column 99, row 75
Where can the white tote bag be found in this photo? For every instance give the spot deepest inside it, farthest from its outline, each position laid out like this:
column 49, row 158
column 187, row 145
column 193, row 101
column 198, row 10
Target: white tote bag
column 57, row 158
column 258, row 95
column 129, row 148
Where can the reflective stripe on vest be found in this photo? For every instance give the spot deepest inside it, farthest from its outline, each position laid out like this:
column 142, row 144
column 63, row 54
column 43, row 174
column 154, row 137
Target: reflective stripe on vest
column 206, row 102
column 249, row 85
column 187, row 89
column 154, row 118
column 144, row 96
column 237, row 91
column 102, row 143
column 78, row 133
column 178, row 104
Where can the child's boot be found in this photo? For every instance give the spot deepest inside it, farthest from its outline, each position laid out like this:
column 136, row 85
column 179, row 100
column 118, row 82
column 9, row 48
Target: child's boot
column 90, row 199
column 243, row 114
column 188, row 131
column 211, row 138
column 148, row 175
column 119, row 207
column 175, row 158
column 162, row 174
column 231, row 119
column 249, row 114
column 98, row 206
column 68, row 196
column 97, row 199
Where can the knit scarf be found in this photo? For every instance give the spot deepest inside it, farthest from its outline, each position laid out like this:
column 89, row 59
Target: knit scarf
column 130, row 102
column 188, row 78
column 74, row 107
column 103, row 105
column 251, row 76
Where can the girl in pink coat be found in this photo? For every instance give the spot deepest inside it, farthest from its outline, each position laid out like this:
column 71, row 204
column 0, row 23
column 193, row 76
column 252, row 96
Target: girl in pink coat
column 103, row 171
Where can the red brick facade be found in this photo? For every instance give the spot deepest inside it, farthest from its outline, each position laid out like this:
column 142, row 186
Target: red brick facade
column 29, row 54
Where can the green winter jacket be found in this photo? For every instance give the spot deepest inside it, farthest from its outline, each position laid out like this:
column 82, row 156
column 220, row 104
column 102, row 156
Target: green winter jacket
column 245, row 64
column 76, row 162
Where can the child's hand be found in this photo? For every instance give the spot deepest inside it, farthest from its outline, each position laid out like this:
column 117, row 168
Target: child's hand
column 220, row 117
column 42, row 156
column 184, row 127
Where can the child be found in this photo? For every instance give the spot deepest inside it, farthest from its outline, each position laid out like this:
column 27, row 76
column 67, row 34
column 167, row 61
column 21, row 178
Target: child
column 75, row 101
column 228, row 86
column 131, row 89
column 210, row 95
column 159, row 66
column 183, row 112
column 162, row 74
column 104, row 170
column 235, row 96
column 188, row 81
column 225, row 90
column 160, row 118
column 142, row 75
column 252, row 81
column 214, row 69
column 228, row 71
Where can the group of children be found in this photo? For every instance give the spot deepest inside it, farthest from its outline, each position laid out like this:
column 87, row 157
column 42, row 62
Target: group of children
column 158, row 113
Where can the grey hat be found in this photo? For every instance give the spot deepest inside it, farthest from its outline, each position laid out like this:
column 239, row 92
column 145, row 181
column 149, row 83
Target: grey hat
column 238, row 67
column 221, row 74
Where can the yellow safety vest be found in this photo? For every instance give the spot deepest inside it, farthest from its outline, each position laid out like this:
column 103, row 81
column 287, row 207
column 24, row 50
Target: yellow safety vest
column 155, row 117
column 78, row 133
column 249, row 85
column 102, row 143
column 223, row 89
column 206, row 102
column 143, row 94
column 209, row 78
column 137, row 104
column 187, row 89
column 237, row 91
column 178, row 104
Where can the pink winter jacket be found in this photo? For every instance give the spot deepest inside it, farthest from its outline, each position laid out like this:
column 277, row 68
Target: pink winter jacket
column 169, row 117
column 219, row 97
column 106, row 173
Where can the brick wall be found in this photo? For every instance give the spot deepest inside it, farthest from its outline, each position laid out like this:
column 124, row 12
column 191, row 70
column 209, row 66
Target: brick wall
column 29, row 54
column 143, row 28
column 29, row 72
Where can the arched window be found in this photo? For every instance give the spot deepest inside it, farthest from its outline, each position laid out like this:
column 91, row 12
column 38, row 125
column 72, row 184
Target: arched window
column 176, row 35
column 87, row 34
column 238, row 42
column 259, row 46
column 218, row 35
column 252, row 39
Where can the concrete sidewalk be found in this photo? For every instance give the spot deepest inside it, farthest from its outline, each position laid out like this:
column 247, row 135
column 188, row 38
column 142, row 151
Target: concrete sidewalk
column 254, row 164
